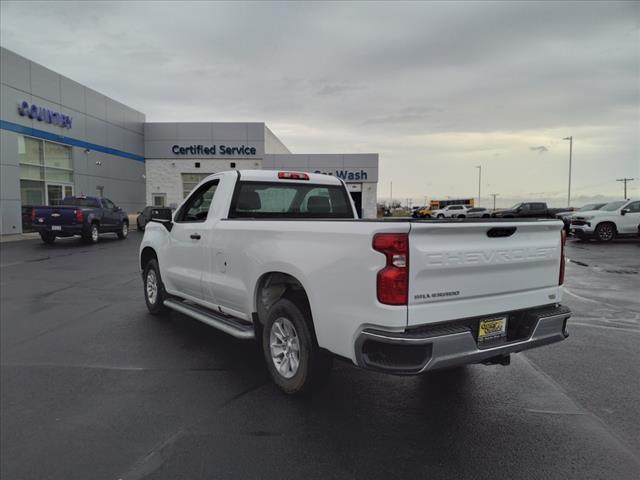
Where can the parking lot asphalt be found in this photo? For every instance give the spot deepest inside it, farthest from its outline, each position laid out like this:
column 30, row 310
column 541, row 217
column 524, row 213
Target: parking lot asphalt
column 94, row 387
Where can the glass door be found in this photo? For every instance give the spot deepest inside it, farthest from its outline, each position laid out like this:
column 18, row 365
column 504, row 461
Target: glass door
column 56, row 192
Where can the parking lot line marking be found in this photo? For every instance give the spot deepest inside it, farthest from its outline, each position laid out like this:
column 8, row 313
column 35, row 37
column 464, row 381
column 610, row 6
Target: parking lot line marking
column 622, row 329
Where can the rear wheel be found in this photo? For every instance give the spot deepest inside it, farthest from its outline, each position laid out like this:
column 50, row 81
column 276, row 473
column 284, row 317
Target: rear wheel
column 48, row 237
column 124, row 230
column 605, row 232
column 440, row 215
column 92, row 235
column 462, row 216
column 140, row 227
column 154, row 294
column 293, row 358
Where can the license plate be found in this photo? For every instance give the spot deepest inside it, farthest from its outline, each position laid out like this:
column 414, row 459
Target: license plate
column 56, row 227
column 492, row 328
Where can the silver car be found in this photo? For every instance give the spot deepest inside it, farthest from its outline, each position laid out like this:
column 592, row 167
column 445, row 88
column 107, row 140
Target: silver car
column 478, row 212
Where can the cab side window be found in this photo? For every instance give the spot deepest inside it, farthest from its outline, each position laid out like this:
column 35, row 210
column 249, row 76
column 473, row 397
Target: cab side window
column 197, row 206
column 108, row 204
column 633, row 207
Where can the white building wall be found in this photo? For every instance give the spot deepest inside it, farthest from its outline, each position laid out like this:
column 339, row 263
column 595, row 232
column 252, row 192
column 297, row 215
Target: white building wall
column 165, row 176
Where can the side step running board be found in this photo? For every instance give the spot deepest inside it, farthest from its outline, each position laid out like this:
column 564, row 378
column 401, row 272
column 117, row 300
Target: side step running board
column 235, row 328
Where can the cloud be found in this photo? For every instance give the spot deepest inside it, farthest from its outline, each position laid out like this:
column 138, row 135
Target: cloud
column 434, row 87
column 335, row 89
column 540, row 149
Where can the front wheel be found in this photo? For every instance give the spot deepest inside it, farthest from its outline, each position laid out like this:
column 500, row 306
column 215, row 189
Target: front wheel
column 293, row 358
column 154, row 294
column 440, row 215
column 48, row 237
column 605, row 232
column 124, row 231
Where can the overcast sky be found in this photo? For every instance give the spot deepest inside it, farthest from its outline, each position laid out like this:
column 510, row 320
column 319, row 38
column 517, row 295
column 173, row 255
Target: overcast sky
column 434, row 88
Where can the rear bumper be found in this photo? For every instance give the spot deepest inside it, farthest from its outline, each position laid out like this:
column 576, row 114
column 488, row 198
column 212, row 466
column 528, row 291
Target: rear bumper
column 454, row 343
column 65, row 230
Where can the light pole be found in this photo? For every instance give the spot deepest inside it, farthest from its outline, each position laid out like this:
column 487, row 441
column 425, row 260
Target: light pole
column 479, row 167
column 625, row 180
column 570, row 155
column 494, row 195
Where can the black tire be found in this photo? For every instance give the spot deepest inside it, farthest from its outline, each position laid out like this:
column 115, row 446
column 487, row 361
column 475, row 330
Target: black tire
column 486, row 215
column 155, row 303
column 140, row 227
column 462, row 216
column 440, row 215
column 92, row 235
column 124, row 230
column 313, row 364
column 48, row 237
column 605, row 232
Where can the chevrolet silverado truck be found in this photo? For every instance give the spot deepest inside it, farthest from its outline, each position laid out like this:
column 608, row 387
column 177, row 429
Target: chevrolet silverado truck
column 282, row 258
column 87, row 217
column 528, row 210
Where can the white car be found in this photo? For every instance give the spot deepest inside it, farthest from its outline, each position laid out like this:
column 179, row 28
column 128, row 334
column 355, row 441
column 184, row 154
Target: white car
column 451, row 211
column 281, row 257
column 615, row 219
column 478, row 212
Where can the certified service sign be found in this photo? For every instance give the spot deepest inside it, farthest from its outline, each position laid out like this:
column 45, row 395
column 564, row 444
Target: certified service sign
column 44, row 114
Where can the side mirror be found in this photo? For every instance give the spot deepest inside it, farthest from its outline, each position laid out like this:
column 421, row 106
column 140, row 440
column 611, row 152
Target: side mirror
column 168, row 224
column 624, row 211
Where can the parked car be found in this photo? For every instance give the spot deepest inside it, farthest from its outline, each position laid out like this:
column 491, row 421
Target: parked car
column 416, row 212
column 567, row 216
column 451, row 211
column 613, row 220
column 282, row 257
column 84, row 216
column 145, row 215
column 424, row 212
column 528, row 210
column 478, row 212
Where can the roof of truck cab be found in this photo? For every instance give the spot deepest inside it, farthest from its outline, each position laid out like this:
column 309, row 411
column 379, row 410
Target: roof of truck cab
column 272, row 176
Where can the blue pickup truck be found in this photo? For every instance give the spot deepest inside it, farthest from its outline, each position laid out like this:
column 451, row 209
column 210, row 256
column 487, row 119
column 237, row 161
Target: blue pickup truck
column 84, row 216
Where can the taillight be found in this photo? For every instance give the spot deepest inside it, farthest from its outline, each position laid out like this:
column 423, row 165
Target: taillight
column 393, row 279
column 563, row 240
column 33, row 215
column 293, row 176
column 79, row 216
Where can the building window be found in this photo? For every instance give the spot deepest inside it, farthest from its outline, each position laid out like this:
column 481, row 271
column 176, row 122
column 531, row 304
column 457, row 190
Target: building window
column 46, row 173
column 190, row 180
column 159, row 199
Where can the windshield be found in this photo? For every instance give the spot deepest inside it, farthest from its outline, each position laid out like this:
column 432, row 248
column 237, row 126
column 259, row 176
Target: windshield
column 517, row 205
column 610, row 207
column 591, row 206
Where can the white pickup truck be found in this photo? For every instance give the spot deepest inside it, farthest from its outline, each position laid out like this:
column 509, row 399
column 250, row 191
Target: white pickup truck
column 281, row 257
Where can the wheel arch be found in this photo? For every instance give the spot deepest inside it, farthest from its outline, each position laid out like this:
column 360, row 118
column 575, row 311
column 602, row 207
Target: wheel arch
column 615, row 227
column 147, row 254
column 275, row 285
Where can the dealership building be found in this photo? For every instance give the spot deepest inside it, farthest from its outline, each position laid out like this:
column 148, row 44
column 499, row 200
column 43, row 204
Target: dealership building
column 60, row 138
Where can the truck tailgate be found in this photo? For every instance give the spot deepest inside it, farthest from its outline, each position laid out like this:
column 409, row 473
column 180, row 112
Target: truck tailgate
column 467, row 269
column 55, row 215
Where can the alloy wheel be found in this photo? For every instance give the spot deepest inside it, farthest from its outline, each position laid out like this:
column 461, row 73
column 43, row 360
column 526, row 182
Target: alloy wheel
column 284, row 346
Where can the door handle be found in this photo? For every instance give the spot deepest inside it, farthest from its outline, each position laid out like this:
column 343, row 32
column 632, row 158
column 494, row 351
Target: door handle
column 195, row 236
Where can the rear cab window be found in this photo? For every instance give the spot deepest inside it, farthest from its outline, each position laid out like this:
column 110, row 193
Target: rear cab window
column 80, row 202
column 289, row 200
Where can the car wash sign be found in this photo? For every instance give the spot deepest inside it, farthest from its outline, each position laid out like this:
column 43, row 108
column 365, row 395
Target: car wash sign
column 42, row 114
